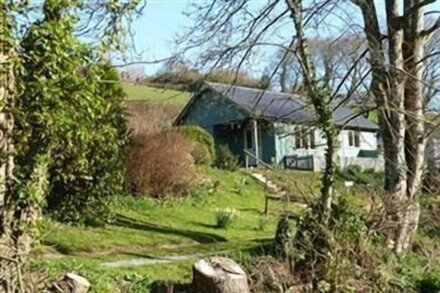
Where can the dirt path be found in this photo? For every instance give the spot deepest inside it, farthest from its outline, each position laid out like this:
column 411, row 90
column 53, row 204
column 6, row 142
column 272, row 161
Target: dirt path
column 152, row 260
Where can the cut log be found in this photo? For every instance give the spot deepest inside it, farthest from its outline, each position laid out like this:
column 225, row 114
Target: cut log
column 72, row 283
column 219, row 275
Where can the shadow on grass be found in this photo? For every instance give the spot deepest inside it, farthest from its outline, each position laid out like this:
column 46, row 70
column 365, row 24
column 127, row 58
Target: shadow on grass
column 63, row 249
column 200, row 237
column 204, row 225
column 252, row 210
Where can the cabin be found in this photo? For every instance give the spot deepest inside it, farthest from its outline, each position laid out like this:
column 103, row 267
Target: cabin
column 266, row 127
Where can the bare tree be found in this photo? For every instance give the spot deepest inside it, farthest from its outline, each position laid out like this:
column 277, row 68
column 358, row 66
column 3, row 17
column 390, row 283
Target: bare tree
column 236, row 31
column 397, row 84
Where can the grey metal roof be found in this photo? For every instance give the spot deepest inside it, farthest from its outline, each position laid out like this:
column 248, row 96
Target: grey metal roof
column 285, row 106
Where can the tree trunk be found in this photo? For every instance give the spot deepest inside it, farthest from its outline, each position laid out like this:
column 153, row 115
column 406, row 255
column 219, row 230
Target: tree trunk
column 328, row 176
column 320, row 99
column 219, row 275
column 415, row 139
column 399, row 97
column 18, row 210
column 10, row 265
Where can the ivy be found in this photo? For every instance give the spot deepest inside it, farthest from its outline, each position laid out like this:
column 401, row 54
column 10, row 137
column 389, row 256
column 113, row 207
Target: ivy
column 70, row 109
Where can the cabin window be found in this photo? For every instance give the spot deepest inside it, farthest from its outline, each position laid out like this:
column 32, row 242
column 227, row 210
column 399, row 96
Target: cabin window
column 354, row 139
column 312, row 138
column 304, row 139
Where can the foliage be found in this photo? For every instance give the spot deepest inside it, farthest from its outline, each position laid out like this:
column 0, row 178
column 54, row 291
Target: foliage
column 203, row 148
column 233, row 76
column 344, row 256
column 67, row 110
column 358, row 176
column 263, row 222
column 430, row 218
column 240, row 186
column 225, row 217
column 147, row 223
column 180, row 76
column 269, row 274
column 160, row 164
column 225, row 159
column 149, row 118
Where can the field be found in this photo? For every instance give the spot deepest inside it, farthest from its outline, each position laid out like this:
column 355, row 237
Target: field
column 150, row 94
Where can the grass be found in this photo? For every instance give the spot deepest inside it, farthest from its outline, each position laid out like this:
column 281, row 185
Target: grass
column 144, row 222
column 141, row 278
column 145, row 227
column 149, row 228
column 145, row 93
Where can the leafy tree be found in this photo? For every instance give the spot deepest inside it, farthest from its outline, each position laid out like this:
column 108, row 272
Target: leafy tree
column 70, row 107
column 62, row 118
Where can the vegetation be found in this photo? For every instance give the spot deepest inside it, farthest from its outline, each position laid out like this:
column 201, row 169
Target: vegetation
column 155, row 95
column 76, row 119
column 178, row 75
column 225, row 217
column 225, row 159
column 203, row 148
column 160, row 164
column 361, row 177
column 61, row 122
column 63, row 138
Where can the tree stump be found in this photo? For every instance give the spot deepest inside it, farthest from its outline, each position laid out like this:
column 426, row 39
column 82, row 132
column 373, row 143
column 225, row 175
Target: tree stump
column 219, row 275
column 72, row 283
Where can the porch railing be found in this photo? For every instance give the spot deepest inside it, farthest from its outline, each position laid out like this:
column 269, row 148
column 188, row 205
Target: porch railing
column 250, row 155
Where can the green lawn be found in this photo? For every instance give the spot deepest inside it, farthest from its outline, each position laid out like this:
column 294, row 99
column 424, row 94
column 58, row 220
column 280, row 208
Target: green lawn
column 146, row 227
column 145, row 93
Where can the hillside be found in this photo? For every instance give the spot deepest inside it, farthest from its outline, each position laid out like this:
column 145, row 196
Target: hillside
column 146, row 93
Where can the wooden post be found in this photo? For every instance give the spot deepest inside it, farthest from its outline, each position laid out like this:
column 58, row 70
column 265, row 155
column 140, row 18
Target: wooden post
column 266, row 205
column 255, row 131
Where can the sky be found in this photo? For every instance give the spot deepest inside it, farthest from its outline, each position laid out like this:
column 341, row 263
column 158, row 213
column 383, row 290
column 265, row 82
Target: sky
column 162, row 20
column 155, row 30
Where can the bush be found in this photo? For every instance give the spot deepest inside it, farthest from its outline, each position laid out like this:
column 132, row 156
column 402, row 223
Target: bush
column 149, row 118
column 160, row 165
column 226, row 159
column 203, row 149
column 225, row 217
column 357, row 175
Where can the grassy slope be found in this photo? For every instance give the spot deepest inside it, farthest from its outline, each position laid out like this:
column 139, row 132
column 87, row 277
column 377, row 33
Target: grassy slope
column 147, row 227
column 145, row 93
